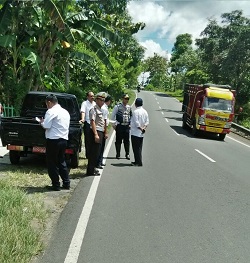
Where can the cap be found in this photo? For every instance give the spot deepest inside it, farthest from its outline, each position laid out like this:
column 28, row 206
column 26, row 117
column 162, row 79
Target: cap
column 101, row 95
column 108, row 97
column 139, row 102
column 125, row 96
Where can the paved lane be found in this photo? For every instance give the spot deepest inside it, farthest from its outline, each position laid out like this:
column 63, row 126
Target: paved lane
column 179, row 207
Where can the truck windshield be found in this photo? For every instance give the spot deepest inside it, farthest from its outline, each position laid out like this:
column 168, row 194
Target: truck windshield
column 218, row 104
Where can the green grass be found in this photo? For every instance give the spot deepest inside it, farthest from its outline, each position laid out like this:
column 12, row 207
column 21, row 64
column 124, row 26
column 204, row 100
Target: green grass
column 178, row 94
column 22, row 219
column 26, row 207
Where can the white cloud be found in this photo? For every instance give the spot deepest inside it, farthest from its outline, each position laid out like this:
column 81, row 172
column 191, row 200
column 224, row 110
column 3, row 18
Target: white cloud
column 153, row 47
column 165, row 20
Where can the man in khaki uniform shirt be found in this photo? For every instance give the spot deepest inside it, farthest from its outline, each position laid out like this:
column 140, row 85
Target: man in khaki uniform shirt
column 98, row 129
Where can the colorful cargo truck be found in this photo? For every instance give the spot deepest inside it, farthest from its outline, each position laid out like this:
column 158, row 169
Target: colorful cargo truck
column 208, row 108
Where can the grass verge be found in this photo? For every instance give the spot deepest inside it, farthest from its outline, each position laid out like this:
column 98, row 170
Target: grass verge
column 22, row 218
column 27, row 208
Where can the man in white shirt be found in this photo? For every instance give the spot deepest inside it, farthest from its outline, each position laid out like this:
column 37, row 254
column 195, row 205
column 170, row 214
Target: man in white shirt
column 85, row 108
column 56, row 123
column 139, row 123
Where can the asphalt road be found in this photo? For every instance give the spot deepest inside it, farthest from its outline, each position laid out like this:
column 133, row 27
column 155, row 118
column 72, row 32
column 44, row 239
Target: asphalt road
column 190, row 202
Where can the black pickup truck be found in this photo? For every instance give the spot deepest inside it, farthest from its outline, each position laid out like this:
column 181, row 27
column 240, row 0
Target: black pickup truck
column 23, row 135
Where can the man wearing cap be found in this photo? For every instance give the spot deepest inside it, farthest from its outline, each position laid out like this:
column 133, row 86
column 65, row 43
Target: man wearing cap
column 105, row 112
column 97, row 132
column 121, row 115
column 85, row 108
column 139, row 123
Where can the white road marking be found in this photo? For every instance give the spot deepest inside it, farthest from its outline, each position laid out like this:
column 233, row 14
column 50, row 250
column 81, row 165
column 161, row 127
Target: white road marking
column 166, row 120
column 158, row 102
column 162, row 113
column 238, row 141
column 77, row 239
column 210, row 159
column 176, row 132
column 160, row 107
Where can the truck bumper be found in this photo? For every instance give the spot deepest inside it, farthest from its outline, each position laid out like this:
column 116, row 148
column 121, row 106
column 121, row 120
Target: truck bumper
column 213, row 129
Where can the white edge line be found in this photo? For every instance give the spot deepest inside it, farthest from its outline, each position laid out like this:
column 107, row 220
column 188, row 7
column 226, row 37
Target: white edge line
column 77, row 239
column 166, row 119
column 176, row 132
column 238, row 141
column 210, row 159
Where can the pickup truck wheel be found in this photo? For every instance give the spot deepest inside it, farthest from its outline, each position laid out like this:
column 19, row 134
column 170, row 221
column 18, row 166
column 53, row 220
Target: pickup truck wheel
column 184, row 121
column 14, row 157
column 74, row 162
column 222, row 136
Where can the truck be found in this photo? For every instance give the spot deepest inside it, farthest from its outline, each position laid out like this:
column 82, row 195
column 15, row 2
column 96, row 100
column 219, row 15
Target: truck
column 208, row 108
column 23, row 135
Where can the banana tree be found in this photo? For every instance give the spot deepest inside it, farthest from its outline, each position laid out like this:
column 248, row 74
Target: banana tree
column 50, row 31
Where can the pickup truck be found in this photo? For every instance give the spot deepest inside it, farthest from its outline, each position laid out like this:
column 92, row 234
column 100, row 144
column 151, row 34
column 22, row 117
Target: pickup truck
column 23, row 135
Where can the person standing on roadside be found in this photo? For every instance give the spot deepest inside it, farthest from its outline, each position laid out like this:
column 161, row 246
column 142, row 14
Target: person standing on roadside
column 97, row 132
column 105, row 111
column 56, row 123
column 121, row 115
column 85, row 108
column 139, row 123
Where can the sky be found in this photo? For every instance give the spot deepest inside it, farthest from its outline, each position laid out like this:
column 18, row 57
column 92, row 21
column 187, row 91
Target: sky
column 166, row 19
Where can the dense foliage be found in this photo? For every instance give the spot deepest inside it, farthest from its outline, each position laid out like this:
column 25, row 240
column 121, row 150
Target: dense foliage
column 66, row 46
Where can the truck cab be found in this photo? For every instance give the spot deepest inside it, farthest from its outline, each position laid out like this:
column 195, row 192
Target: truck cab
column 208, row 108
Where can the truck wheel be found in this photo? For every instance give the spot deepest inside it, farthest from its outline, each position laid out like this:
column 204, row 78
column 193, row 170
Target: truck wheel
column 184, row 121
column 74, row 162
column 194, row 130
column 14, row 157
column 222, row 136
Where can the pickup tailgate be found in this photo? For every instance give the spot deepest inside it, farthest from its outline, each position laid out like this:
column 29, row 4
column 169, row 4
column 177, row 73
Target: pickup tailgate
column 22, row 131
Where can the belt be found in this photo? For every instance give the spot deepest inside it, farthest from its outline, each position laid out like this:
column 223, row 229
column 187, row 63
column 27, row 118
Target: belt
column 124, row 124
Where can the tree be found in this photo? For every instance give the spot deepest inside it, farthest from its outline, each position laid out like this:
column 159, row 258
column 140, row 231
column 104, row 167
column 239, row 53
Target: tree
column 225, row 51
column 36, row 33
column 157, row 66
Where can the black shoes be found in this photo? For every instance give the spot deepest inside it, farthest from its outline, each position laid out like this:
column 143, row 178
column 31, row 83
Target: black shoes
column 53, row 188
column 95, row 173
column 99, row 167
column 66, row 186
column 136, row 164
column 127, row 157
column 117, row 156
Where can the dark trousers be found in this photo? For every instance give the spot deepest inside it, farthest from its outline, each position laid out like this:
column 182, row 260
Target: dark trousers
column 55, row 155
column 100, row 157
column 86, row 131
column 122, row 134
column 137, row 143
column 94, row 151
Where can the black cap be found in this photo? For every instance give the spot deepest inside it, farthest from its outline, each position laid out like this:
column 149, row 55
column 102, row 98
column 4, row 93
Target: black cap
column 139, row 102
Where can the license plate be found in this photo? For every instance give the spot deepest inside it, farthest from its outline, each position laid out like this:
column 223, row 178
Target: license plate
column 215, row 130
column 37, row 149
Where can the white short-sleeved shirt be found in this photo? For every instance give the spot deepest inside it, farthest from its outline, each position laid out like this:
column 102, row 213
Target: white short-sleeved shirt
column 138, row 119
column 105, row 112
column 85, row 107
column 56, row 123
